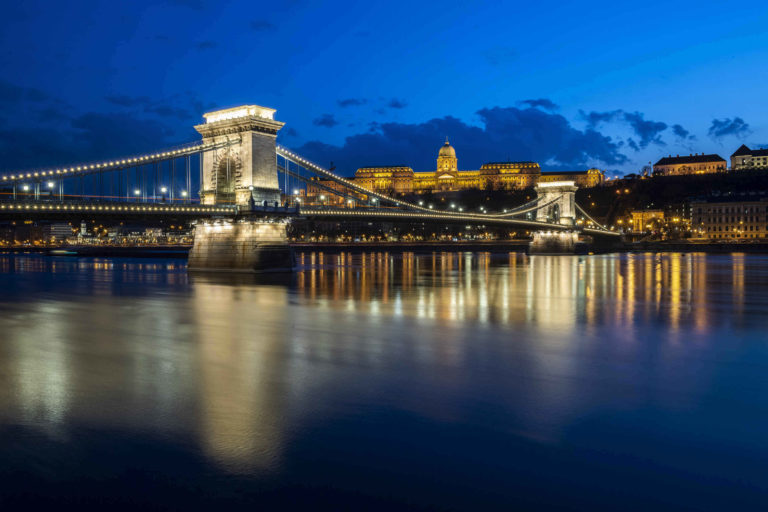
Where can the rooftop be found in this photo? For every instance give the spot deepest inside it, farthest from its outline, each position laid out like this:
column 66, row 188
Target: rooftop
column 745, row 151
column 690, row 159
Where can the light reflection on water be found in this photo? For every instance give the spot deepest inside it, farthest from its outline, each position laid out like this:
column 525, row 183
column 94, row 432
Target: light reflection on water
column 392, row 364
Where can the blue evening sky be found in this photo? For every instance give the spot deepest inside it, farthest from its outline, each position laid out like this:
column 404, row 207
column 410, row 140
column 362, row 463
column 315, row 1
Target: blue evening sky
column 568, row 84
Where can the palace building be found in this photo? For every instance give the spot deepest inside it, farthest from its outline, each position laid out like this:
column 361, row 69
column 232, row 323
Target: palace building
column 448, row 178
column 691, row 164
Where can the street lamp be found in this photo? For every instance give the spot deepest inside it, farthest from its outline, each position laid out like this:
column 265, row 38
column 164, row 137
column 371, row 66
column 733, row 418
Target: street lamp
column 25, row 188
column 183, row 193
column 51, row 184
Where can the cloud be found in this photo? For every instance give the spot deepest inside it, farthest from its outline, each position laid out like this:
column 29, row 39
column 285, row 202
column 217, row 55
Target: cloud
column 594, row 119
column 207, row 45
column 82, row 138
column 128, row 101
column 169, row 111
column 648, row 132
column 396, row 103
column 540, row 103
column 12, row 93
column 47, row 131
column 262, row 25
column 185, row 107
column 326, row 120
column 351, row 102
column 104, row 135
column 681, row 132
column 506, row 132
column 725, row 127
column 288, row 132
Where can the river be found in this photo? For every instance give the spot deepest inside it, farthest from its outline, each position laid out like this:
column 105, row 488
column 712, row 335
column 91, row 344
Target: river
column 453, row 381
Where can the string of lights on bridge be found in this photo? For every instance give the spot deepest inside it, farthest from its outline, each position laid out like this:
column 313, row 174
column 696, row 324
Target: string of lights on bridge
column 111, row 165
column 139, row 209
column 289, row 155
column 412, row 210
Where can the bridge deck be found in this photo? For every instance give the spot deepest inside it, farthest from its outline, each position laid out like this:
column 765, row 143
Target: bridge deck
column 51, row 209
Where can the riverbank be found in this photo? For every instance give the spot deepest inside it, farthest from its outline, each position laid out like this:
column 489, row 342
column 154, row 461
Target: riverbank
column 706, row 247
column 160, row 251
column 181, row 251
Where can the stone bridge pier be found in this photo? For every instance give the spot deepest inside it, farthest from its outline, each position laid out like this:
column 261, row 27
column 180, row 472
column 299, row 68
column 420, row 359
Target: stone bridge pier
column 242, row 172
column 558, row 200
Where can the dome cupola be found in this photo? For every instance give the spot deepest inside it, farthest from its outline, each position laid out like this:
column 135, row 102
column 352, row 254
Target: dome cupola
column 447, row 150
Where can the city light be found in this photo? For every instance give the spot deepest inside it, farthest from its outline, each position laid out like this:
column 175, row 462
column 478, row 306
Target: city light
column 163, row 190
column 51, row 184
column 25, row 188
column 137, row 192
column 183, row 193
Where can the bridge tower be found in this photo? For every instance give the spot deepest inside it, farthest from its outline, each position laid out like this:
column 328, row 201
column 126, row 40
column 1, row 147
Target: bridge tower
column 560, row 200
column 245, row 166
column 558, row 205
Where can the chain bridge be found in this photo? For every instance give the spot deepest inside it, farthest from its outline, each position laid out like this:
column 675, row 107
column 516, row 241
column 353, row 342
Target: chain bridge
column 243, row 189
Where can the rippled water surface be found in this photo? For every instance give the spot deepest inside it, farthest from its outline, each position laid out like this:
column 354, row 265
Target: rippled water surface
column 379, row 381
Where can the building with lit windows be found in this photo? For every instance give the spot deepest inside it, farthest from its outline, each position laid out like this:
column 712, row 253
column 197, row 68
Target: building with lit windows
column 745, row 158
column 448, row 178
column 730, row 220
column 691, row 164
column 583, row 179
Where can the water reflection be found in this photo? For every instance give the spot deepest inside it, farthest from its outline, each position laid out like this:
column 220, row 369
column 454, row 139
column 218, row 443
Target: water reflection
column 268, row 375
column 549, row 292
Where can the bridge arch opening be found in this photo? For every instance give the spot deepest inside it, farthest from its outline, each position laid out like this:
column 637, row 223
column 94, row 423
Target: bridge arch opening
column 225, row 179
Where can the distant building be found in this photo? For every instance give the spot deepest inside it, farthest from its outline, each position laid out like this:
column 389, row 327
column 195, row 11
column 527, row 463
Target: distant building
column 60, row 231
column 730, row 220
column 645, row 220
column 691, row 164
column 745, row 158
column 584, row 179
column 448, row 178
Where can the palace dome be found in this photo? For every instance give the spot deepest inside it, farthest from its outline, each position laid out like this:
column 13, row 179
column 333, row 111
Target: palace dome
column 447, row 150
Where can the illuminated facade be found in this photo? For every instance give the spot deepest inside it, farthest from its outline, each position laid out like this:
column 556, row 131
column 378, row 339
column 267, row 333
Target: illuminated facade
column 731, row 219
column 691, row 164
column 745, row 158
column 646, row 220
column 582, row 179
column 448, row 178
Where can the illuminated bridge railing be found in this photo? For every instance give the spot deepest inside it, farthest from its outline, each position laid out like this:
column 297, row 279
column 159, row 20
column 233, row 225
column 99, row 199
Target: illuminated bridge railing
column 35, row 207
column 458, row 218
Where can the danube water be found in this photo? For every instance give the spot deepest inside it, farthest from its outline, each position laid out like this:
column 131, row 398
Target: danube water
column 452, row 381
